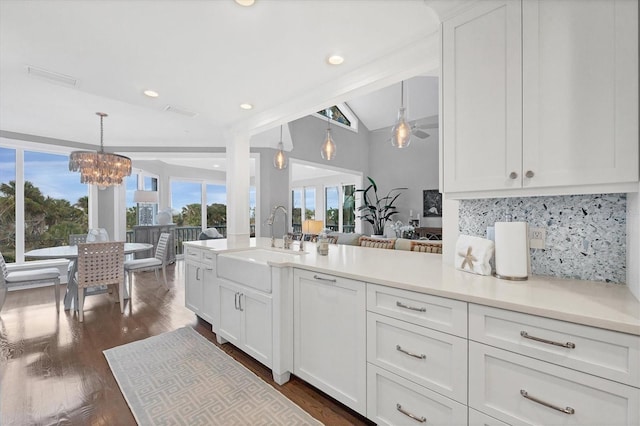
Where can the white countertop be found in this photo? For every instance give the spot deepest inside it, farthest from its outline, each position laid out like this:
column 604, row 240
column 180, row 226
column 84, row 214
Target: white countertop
column 608, row 306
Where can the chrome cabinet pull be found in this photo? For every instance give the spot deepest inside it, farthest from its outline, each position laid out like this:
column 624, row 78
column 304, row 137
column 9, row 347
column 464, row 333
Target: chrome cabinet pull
column 235, row 300
column 567, row 410
column 529, row 174
column 402, row 305
column 549, row 342
column 513, row 175
column 198, row 274
column 421, row 419
column 240, row 301
column 404, row 351
column 317, row 277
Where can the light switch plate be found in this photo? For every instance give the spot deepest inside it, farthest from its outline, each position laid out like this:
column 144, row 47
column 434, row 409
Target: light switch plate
column 537, row 238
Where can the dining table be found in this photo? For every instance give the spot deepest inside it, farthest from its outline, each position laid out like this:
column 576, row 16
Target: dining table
column 71, row 253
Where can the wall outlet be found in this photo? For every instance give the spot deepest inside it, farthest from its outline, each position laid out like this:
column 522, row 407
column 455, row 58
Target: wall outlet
column 537, row 238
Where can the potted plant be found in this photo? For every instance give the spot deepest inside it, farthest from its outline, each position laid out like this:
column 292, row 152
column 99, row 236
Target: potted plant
column 375, row 210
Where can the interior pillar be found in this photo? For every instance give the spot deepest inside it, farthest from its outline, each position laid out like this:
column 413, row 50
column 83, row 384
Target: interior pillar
column 238, row 160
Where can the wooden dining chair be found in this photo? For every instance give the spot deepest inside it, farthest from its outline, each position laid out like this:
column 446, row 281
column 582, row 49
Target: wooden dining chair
column 31, row 276
column 100, row 264
column 159, row 261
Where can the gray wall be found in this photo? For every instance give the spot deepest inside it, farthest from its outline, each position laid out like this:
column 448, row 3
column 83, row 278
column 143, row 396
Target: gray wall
column 586, row 234
column 414, row 167
column 307, row 134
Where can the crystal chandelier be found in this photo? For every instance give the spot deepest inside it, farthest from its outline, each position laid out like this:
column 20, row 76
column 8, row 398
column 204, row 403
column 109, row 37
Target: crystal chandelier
column 100, row 168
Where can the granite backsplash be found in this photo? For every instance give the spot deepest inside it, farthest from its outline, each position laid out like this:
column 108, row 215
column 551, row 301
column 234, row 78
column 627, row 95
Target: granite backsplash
column 586, row 234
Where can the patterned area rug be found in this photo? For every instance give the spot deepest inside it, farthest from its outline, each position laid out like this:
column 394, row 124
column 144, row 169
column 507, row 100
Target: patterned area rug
column 180, row 378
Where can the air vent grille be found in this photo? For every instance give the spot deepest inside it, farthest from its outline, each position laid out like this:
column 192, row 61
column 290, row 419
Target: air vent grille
column 181, row 111
column 52, row 76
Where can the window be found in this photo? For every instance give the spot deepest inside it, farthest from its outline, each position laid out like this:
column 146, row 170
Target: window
column 309, row 202
column 340, row 115
column 296, row 206
column 53, row 208
column 340, row 208
column 217, row 208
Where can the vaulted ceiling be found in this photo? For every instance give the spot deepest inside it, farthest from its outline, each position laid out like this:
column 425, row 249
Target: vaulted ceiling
column 63, row 60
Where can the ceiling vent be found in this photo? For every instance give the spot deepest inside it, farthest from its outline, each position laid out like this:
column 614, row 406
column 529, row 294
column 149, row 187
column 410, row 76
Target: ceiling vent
column 52, row 76
column 180, row 111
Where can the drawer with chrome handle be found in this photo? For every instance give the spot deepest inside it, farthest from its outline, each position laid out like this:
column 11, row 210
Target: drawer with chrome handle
column 430, row 358
column 438, row 313
column 608, row 354
column 392, row 399
column 521, row 390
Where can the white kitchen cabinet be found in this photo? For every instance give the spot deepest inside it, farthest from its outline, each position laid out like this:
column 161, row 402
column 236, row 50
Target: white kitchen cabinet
column 330, row 336
column 246, row 320
column 541, row 96
column 476, row 418
column 521, row 390
column 393, row 400
column 200, row 284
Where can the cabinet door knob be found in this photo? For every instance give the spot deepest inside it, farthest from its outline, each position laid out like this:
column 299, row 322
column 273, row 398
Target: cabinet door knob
column 529, row 174
column 513, row 175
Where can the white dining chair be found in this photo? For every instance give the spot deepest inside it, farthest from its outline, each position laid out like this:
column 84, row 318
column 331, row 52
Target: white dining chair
column 97, row 235
column 159, row 261
column 100, row 264
column 32, row 276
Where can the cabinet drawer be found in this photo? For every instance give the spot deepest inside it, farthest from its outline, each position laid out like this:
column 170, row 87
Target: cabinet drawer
column 434, row 312
column 430, row 358
column 506, row 385
column 191, row 253
column 208, row 257
column 605, row 353
column 392, row 400
column 476, row 418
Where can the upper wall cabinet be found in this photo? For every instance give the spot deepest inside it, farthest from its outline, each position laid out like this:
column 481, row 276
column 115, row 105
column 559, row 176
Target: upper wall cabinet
column 541, row 97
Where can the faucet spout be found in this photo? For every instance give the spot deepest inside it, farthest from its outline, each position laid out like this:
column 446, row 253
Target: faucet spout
column 271, row 219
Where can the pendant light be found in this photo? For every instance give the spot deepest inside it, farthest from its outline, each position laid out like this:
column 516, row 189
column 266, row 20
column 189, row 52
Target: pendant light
column 401, row 132
column 328, row 149
column 100, row 168
column 280, row 160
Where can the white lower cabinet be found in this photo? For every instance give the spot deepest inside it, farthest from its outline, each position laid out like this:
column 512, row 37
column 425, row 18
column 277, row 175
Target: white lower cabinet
column 330, row 336
column 522, row 390
column 246, row 320
column 476, row 418
column 200, row 284
column 393, row 400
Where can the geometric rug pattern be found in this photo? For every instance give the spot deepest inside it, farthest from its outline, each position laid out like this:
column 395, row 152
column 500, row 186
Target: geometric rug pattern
column 180, row 378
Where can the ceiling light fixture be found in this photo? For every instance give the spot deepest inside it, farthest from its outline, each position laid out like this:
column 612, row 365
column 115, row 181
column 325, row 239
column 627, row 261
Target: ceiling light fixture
column 335, row 59
column 100, row 168
column 151, row 93
column 280, row 160
column 245, row 3
column 328, row 149
column 246, row 106
column 401, row 131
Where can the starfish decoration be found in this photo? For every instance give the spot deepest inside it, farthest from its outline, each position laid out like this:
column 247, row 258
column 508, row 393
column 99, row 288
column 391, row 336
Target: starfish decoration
column 467, row 259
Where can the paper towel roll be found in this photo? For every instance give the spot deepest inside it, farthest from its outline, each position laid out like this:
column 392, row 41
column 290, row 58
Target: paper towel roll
column 512, row 250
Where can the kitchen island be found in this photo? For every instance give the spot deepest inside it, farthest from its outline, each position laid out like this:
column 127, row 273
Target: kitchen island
column 397, row 335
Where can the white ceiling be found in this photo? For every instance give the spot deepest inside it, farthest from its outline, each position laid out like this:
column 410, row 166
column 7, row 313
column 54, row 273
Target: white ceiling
column 207, row 57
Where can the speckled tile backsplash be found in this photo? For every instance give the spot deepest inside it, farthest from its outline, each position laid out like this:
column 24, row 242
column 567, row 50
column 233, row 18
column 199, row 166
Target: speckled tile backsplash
column 586, row 234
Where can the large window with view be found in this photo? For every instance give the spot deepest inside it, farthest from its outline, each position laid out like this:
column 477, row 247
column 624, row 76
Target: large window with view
column 53, row 208
column 302, row 200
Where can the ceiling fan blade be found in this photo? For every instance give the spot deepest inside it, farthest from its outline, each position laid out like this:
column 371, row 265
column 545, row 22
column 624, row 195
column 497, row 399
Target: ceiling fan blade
column 420, row 134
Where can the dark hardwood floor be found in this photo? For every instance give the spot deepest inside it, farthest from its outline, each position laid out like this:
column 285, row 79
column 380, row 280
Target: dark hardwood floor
column 52, row 370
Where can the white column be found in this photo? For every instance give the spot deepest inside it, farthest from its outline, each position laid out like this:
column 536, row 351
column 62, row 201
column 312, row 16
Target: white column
column 238, row 158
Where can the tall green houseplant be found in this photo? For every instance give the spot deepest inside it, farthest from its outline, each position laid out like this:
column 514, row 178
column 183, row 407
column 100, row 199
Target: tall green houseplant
column 376, row 210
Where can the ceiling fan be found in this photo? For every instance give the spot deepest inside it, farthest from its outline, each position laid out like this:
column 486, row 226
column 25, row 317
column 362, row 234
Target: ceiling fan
column 419, row 131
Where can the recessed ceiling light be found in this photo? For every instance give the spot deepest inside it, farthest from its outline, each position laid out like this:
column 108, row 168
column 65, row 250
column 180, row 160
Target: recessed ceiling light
column 246, row 106
column 245, row 2
column 216, row 166
column 151, row 93
column 335, row 59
